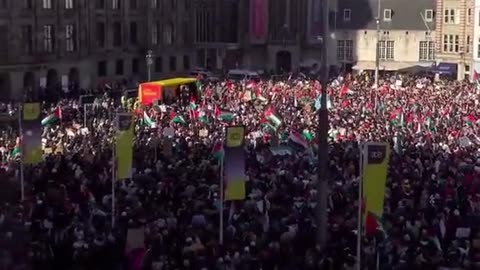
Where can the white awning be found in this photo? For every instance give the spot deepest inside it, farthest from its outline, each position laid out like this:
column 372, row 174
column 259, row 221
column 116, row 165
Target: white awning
column 386, row 66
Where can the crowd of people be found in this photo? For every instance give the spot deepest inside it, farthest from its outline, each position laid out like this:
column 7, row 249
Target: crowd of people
column 167, row 215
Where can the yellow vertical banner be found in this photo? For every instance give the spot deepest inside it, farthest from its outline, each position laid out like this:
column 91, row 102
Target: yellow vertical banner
column 124, row 146
column 376, row 158
column 234, row 163
column 31, row 134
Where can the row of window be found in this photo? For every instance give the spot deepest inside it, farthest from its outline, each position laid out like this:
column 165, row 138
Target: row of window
column 387, row 15
column 452, row 16
column 102, row 66
column 49, row 33
column 69, row 4
column 451, row 44
column 48, row 41
column 386, row 50
column 99, row 4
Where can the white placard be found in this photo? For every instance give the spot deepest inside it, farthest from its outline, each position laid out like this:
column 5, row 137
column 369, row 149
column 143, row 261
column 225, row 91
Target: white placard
column 168, row 132
column 43, row 82
column 64, row 82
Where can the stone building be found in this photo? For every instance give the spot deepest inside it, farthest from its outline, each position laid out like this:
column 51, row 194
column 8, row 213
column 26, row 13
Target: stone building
column 57, row 43
column 454, row 38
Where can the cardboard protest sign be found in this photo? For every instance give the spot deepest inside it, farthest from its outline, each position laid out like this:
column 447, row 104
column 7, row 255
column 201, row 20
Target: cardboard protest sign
column 135, row 239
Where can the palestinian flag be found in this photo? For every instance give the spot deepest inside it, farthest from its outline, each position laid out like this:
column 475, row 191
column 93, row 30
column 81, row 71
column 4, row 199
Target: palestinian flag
column 148, row 121
column 469, row 120
column 273, row 119
column 193, row 104
column 226, row 116
column 217, row 150
column 54, row 116
column 373, row 224
column 266, row 125
column 202, row 117
column 178, row 119
column 308, row 135
column 297, row 139
column 15, row 152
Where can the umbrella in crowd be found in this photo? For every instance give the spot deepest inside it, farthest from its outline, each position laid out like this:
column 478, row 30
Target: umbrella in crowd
column 228, row 180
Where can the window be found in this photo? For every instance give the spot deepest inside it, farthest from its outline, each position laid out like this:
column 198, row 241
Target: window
column 135, row 66
column 387, row 48
column 451, row 43
column 345, row 50
column 119, row 67
column 155, row 28
column 102, row 68
column 68, row 4
column 158, row 64
column 133, row 4
column 117, row 34
column 133, row 33
column 27, row 4
column 457, row 43
column 468, row 44
column 47, row 4
column 27, row 39
column 100, row 34
column 347, row 15
column 186, row 62
column 469, row 16
column 172, row 63
column 387, row 15
column 100, row 4
column 116, row 4
column 429, row 15
column 70, row 37
column 449, row 16
column 426, row 51
column 478, row 48
column 168, row 34
column 154, row 3
column 48, row 41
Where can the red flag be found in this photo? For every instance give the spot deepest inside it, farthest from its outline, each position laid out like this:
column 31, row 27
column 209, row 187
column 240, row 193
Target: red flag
column 475, row 75
column 58, row 112
column 395, row 113
column 470, row 118
column 172, row 114
column 344, row 90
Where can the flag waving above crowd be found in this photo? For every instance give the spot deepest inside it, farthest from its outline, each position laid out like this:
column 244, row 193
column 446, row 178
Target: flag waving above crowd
column 231, row 166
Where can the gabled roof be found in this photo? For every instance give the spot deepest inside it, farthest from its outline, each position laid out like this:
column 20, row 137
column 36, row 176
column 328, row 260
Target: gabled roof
column 406, row 14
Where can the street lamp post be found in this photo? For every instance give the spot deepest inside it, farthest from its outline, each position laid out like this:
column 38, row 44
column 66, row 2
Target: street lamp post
column 377, row 52
column 149, row 58
column 322, row 180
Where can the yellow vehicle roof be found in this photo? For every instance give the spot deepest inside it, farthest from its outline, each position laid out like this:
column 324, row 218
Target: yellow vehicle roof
column 175, row 81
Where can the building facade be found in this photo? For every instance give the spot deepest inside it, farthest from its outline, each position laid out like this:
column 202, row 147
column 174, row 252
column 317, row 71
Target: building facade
column 476, row 39
column 406, row 36
column 218, row 26
column 455, row 35
column 285, row 35
column 52, row 44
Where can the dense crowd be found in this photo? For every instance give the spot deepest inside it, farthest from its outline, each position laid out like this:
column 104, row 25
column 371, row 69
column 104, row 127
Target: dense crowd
column 167, row 215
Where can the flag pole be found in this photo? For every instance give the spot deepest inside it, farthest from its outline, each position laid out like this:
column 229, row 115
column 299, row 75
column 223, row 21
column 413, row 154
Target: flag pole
column 22, row 173
column 360, row 214
column 221, row 198
column 85, row 115
column 114, row 166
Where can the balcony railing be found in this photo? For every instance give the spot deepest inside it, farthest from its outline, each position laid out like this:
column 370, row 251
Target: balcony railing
column 285, row 38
